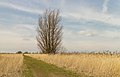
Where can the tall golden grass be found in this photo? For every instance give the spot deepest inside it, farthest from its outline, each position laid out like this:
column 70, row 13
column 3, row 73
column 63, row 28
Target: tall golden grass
column 95, row 65
column 11, row 65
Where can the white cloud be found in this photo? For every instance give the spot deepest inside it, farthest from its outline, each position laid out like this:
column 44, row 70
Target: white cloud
column 62, row 3
column 26, row 31
column 82, row 13
column 92, row 15
column 75, row 40
column 18, row 31
column 89, row 33
column 21, row 8
column 110, row 34
column 16, row 38
column 24, row 26
column 105, row 6
column 86, row 13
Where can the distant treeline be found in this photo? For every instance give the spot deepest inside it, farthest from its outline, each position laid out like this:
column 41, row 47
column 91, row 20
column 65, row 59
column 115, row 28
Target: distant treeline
column 67, row 52
column 77, row 52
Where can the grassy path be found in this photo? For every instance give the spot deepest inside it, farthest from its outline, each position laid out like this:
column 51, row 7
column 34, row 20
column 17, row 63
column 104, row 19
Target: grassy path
column 38, row 68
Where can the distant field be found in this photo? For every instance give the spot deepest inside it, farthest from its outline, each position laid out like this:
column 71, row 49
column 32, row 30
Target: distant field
column 11, row 65
column 95, row 65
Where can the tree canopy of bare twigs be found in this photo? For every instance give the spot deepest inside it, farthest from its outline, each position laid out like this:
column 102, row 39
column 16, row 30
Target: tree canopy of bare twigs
column 49, row 32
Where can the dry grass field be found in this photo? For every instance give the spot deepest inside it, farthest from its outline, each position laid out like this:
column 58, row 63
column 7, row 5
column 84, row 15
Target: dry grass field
column 11, row 65
column 94, row 65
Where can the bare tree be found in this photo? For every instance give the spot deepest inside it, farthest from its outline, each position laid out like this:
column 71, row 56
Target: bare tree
column 49, row 32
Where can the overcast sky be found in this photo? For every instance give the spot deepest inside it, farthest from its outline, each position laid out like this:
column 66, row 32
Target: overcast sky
column 88, row 24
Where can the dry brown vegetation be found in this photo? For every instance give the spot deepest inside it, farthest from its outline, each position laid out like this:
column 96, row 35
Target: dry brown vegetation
column 95, row 65
column 11, row 65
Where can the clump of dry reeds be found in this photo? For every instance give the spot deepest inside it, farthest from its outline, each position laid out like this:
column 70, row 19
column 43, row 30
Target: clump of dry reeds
column 11, row 65
column 97, row 65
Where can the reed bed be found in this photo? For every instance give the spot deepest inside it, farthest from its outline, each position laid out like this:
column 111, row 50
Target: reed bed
column 11, row 65
column 94, row 65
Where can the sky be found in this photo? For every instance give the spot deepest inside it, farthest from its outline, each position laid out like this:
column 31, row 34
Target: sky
column 87, row 24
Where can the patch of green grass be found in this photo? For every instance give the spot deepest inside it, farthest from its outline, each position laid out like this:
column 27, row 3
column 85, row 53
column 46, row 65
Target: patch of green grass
column 27, row 71
column 38, row 68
